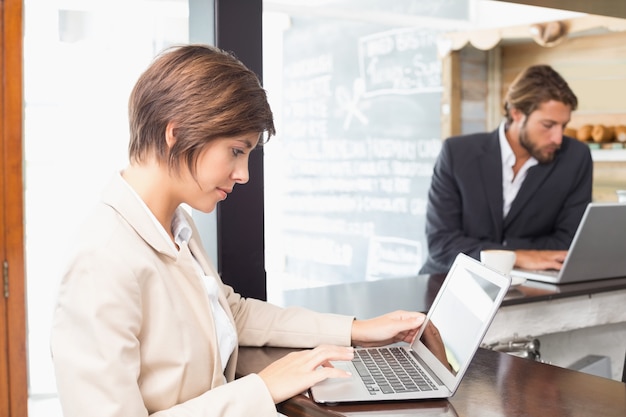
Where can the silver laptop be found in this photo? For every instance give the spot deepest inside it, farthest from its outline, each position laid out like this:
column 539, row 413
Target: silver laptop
column 434, row 366
column 597, row 250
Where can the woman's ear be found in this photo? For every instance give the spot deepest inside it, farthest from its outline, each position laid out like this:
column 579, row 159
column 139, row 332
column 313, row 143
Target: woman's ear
column 170, row 138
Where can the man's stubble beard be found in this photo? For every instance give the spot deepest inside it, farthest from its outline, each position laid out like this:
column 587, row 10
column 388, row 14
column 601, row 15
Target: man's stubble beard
column 532, row 149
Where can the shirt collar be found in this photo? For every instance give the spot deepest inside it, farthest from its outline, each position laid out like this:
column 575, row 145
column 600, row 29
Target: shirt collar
column 180, row 227
column 506, row 153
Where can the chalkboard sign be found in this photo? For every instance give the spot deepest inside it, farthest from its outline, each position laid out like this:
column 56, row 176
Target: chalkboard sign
column 360, row 134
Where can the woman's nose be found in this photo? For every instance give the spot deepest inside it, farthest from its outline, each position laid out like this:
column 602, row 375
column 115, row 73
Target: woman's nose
column 241, row 174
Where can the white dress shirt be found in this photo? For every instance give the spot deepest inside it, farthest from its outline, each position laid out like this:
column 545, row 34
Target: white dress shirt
column 511, row 183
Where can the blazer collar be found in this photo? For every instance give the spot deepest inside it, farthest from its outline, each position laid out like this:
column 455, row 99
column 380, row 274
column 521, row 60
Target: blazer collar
column 118, row 195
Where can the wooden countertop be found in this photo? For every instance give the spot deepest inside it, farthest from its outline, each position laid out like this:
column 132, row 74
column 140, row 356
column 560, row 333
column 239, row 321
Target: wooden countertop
column 418, row 292
column 495, row 385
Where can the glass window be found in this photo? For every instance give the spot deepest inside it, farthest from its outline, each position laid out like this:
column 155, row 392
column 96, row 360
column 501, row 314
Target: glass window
column 81, row 59
column 356, row 86
column 356, row 89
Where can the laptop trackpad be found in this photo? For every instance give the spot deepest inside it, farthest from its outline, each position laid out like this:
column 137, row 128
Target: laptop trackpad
column 339, row 389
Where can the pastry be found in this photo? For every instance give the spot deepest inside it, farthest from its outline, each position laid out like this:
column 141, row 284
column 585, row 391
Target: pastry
column 584, row 133
column 601, row 133
column 620, row 133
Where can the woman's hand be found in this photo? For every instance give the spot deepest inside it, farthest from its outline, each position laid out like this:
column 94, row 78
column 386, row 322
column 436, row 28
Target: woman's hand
column 298, row 371
column 399, row 326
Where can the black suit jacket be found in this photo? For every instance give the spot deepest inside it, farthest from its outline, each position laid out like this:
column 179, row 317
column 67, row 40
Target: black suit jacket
column 464, row 212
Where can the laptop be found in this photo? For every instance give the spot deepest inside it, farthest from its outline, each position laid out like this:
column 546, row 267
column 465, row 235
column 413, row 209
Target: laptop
column 461, row 312
column 596, row 252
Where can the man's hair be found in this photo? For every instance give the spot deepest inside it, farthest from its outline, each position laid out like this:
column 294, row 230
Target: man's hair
column 206, row 93
column 536, row 85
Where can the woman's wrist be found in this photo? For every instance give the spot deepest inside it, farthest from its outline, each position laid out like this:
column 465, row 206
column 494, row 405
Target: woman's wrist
column 356, row 336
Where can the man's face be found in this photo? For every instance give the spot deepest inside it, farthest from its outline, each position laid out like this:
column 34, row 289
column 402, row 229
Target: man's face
column 541, row 132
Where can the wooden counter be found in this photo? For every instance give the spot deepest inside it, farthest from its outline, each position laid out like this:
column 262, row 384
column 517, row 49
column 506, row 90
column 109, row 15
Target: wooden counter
column 372, row 298
column 534, row 309
column 496, row 384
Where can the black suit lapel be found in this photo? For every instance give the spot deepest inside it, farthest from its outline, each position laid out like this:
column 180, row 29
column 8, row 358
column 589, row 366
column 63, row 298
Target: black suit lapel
column 491, row 176
column 535, row 177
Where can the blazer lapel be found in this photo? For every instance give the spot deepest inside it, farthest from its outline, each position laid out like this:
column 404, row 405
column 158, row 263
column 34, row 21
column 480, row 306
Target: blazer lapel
column 210, row 271
column 199, row 302
column 534, row 178
column 491, row 175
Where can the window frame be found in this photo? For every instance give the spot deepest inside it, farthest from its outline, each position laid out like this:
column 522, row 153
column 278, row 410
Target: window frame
column 13, row 362
column 240, row 218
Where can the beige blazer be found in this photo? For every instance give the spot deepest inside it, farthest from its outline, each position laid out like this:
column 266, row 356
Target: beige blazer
column 133, row 333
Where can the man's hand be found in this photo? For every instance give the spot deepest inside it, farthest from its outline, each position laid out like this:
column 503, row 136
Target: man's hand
column 540, row 259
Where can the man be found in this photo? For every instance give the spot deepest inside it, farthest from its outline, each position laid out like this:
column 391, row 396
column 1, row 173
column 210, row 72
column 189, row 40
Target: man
column 522, row 187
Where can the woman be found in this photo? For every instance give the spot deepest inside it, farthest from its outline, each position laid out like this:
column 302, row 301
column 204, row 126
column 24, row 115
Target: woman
column 144, row 325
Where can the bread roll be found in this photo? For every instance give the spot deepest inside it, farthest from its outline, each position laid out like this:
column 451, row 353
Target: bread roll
column 620, row 133
column 584, row 133
column 602, row 134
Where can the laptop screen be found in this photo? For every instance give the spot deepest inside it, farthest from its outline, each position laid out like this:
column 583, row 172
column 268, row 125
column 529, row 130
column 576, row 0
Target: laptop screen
column 458, row 317
column 445, row 345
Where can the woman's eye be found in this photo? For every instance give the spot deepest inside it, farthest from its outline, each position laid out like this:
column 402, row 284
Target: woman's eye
column 237, row 152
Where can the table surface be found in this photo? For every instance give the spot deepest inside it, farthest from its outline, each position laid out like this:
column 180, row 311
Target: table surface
column 417, row 293
column 496, row 384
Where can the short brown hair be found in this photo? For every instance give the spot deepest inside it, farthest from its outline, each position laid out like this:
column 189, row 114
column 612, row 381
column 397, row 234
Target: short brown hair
column 536, row 85
column 207, row 92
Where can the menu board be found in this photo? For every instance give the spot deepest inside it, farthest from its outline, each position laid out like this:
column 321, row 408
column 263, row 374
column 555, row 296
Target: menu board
column 360, row 134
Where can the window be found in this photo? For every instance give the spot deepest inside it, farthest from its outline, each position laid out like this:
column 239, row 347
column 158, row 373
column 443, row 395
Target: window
column 356, row 90
column 81, row 59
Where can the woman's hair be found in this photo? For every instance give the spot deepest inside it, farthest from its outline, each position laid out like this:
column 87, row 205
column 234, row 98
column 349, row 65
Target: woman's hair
column 536, row 85
column 206, row 93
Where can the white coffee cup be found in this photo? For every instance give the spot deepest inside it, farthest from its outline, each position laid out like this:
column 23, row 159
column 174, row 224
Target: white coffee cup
column 498, row 259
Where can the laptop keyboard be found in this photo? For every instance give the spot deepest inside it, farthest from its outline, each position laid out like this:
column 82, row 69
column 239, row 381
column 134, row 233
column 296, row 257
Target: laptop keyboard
column 390, row 370
column 545, row 272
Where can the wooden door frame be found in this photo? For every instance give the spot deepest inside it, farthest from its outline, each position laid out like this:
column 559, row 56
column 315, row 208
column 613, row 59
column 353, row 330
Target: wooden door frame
column 13, row 362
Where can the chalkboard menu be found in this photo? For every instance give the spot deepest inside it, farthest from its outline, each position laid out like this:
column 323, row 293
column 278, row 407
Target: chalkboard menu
column 360, row 133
